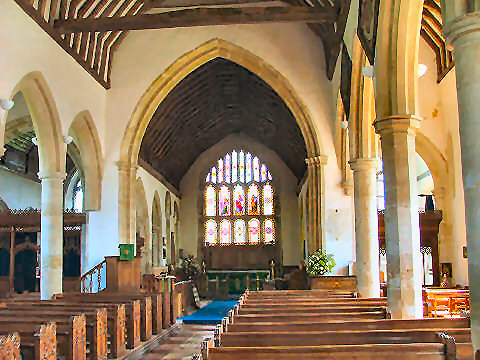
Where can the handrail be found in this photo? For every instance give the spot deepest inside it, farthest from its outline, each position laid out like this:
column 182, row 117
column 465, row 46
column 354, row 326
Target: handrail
column 87, row 279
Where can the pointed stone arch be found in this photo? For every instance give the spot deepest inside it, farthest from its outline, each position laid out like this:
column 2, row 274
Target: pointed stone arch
column 143, row 226
column 46, row 122
column 160, row 88
column 85, row 136
column 157, row 243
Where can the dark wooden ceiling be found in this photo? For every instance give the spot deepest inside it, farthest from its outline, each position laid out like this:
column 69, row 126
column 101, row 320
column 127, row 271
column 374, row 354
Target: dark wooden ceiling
column 218, row 99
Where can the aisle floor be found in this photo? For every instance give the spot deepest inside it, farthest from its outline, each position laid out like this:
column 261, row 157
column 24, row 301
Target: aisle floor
column 182, row 345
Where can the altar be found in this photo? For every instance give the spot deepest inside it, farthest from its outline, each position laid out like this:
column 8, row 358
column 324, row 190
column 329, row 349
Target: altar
column 237, row 281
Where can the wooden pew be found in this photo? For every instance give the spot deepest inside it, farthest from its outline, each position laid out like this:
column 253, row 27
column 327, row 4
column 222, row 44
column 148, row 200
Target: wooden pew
column 281, row 317
column 451, row 301
column 37, row 341
column 145, row 306
column 96, row 322
column 10, row 347
column 70, row 331
column 116, row 318
column 311, row 310
column 132, row 314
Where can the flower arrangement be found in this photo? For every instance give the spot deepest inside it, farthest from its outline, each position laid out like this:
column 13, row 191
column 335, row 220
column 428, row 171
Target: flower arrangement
column 320, row 263
column 189, row 267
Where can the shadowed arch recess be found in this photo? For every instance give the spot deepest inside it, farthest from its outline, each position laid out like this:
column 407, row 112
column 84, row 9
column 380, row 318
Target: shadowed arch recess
column 218, row 99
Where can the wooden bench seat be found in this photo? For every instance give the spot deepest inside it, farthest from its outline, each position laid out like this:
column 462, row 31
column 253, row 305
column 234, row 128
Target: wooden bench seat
column 116, row 318
column 449, row 302
column 132, row 314
column 322, row 325
column 37, row 341
column 312, row 310
column 96, row 323
column 70, row 331
column 306, row 301
column 307, row 317
column 340, row 337
column 146, row 315
column 427, row 351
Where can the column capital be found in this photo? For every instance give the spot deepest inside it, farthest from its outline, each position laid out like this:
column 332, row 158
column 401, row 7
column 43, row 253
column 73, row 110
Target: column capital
column 316, row 161
column 43, row 175
column 126, row 166
column 460, row 26
column 405, row 123
column 364, row 164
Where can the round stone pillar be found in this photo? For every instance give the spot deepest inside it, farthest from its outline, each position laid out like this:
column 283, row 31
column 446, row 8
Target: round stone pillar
column 127, row 218
column 366, row 226
column 463, row 33
column 402, row 230
column 51, row 237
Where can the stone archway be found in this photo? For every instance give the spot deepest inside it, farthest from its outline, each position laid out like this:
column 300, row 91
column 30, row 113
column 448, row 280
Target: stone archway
column 143, row 226
column 85, row 137
column 160, row 88
column 157, row 243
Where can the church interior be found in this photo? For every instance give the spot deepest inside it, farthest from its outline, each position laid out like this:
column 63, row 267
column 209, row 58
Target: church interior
column 307, row 165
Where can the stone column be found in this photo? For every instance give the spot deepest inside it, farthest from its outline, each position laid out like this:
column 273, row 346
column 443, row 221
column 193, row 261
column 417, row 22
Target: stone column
column 463, row 33
column 127, row 218
column 51, row 238
column 402, row 230
column 316, row 202
column 366, row 226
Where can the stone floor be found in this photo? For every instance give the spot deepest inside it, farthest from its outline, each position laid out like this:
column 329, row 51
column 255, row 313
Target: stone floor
column 182, row 345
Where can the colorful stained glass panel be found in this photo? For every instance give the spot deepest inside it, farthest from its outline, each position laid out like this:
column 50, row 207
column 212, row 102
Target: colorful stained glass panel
column 268, row 200
column 211, row 232
column 256, row 169
column 253, row 201
column 263, row 173
column 240, row 231
column 234, row 166
column 254, row 231
column 248, row 168
column 214, row 175
column 269, row 231
column 241, row 166
column 238, row 200
column 224, row 201
column 210, row 201
column 220, row 171
column 225, row 232
column 228, row 163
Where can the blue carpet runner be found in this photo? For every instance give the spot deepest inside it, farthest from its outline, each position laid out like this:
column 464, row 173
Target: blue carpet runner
column 213, row 313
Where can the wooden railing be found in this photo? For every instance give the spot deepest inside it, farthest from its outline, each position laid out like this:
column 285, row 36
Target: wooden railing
column 94, row 277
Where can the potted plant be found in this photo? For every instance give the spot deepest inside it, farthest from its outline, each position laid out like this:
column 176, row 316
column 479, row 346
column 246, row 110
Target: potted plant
column 189, row 268
column 319, row 263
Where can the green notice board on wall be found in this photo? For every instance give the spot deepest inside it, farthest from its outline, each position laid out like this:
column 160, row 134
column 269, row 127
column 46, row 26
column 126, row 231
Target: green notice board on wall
column 126, row 251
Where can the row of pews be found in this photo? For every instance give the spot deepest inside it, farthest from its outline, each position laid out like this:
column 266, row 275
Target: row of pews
column 78, row 326
column 327, row 324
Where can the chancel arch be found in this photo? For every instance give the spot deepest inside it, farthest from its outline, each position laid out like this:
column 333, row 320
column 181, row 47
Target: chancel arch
column 166, row 82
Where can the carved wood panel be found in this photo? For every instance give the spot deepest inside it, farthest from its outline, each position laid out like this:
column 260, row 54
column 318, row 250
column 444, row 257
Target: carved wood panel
column 10, row 347
column 79, row 338
column 47, row 343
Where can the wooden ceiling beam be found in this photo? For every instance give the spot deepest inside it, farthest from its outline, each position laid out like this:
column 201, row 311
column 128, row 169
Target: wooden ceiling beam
column 198, row 17
column 169, row 4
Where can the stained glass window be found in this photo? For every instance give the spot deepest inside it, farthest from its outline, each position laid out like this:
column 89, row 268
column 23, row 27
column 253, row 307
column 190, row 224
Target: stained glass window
column 238, row 200
column 224, row 201
column 253, row 203
column 234, row 166
column 263, row 173
column 248, row 168
column 228, row 163
column 220, row 171
column 254, row 231
column 269, row 231
column 233, row 209
column 225, row 232
column 267, row 200
column 256, row 169
column 211, row 232
column 240, row 231
column 241, row 167
column 214, row 175
column 210, row 201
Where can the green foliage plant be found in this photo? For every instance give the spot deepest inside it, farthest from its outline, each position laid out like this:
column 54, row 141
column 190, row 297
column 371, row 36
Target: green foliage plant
column 190, row 267
column 320, row 263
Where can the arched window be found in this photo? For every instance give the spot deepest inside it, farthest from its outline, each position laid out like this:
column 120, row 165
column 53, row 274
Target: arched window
column 239, row 202
column 77, row 196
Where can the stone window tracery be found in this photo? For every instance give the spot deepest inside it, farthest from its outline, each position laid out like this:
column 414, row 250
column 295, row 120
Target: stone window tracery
column 239, row 202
